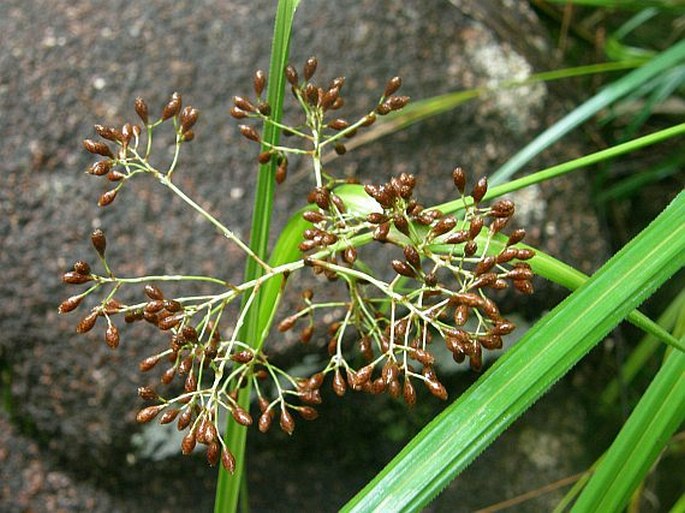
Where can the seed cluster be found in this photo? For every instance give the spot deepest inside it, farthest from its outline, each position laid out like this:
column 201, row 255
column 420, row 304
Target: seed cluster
column 440, row 286
column 122, row 163
column 320, row 127
column 384, row 330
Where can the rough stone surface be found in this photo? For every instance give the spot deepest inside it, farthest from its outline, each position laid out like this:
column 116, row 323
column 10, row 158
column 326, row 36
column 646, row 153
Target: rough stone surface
column 66, row 65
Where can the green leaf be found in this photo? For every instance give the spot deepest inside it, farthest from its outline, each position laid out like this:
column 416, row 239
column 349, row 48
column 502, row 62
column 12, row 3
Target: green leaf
column 616, row 90
column 656, row 417
column 228, row 487
column 549, row 349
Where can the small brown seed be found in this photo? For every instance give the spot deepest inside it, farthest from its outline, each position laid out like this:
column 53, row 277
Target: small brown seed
column 100, row 168
column 402, row 268
column 147, row 414
column 470, row 248
column 308, row 413
column 281, row 171
column 444, row 225
column 459, row 178
column 188, row 118
column 502, row 208
column 99, row 241
column 408, row 392
column 184, row 419
column 287, row 323
column 228, row 461
column 241, row 416
column 338, row 124
column 339, row 385
column 376, row 218
column 76, row 278
column 516, row 236
column 412, row 256
column 392, row 86
column 148, row 363
column 524, row 254
column 97, row 148
column 401, row 223
column 237, row 113
column 70, row 304
column 475, row 227
column 87, row 322
column 107, row 197
column 188, row 443
column 369, row 120
column 313, row 216
column 141, row 109
column 264, row 422
column 169, row 416
column 287, row 422
column 310, row 68
column 249, row 133
column 503, row 328
column 291, row 75
column 479, row 190
column 112, row 336
column 259, row 82
column 172, row 107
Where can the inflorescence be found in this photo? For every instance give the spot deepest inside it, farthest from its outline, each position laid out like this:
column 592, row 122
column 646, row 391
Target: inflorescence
column 383, row 334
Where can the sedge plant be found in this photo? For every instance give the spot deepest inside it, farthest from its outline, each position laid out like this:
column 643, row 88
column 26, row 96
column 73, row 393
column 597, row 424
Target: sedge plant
column 440, row 289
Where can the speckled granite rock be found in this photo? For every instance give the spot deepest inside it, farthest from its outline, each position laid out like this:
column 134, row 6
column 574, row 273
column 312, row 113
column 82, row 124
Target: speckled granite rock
column 66, row 65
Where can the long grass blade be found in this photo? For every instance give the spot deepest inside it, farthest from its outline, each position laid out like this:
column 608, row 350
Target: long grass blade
column 655, row 418
column 616, row 90
column 454, row 438
column 228, row 486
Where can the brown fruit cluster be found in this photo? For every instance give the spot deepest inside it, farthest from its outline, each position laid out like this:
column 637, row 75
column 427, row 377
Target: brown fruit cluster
column 438, row 289
column 317, row 102
column 122, row 163
column 448, row 267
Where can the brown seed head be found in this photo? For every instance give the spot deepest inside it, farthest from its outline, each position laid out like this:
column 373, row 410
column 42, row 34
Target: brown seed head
column 188, row 443
column 87, row 322
column 459, row 178
column 287, row 422
column 339, row 385
column 310, row 68
column 259, row 82
column 147, row 393
column 308, row 413
column 228, row 461
column 392, row 86
column 97, row 148
column 141, row 109
column 75, row 278
column 172, row 107
column 100, row 168
column 70, row 304
column 112, row 336
column 403, row 269
column 516, row 236
column 97, row 238
column 169, row 416
column 107, row 197
column 147, row 414
column 479, row 190
column 241, row 416
column 237, row 113
column 249, row 133
column 189, row 117
column 291, row 75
